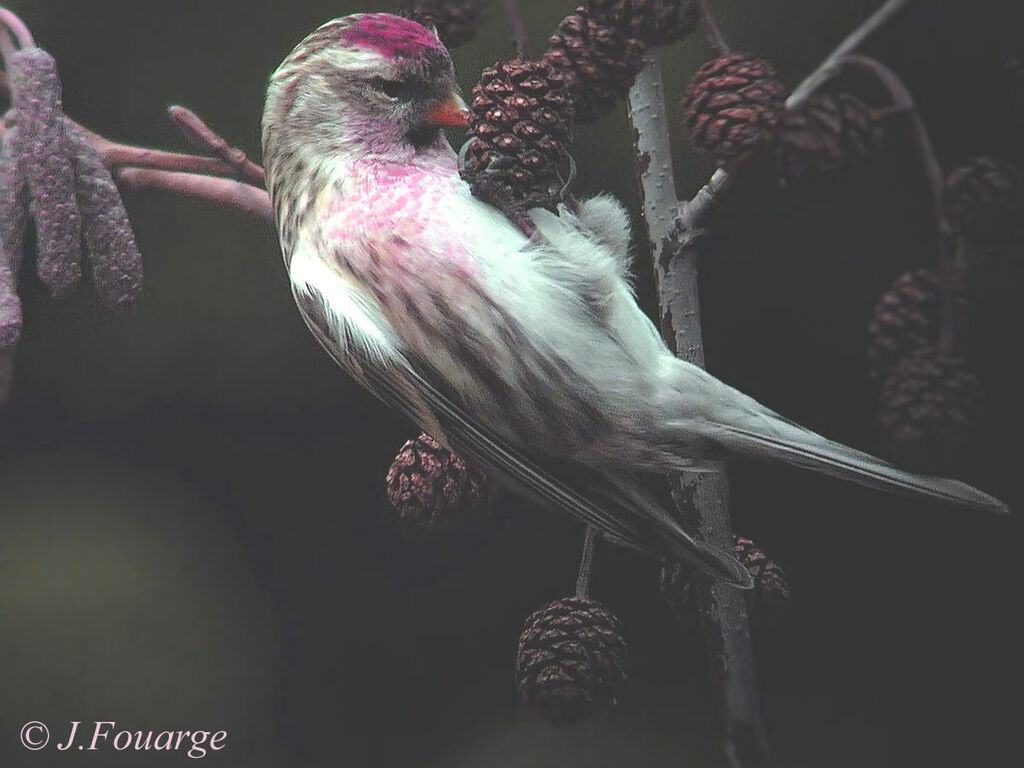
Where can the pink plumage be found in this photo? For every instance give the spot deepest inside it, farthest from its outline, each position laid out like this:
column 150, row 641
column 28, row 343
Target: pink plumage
column 391, row 206
column 530, row 357
column 392, row 36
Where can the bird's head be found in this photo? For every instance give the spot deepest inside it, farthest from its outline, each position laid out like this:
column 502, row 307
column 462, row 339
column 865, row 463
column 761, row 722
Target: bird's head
column 366, row 84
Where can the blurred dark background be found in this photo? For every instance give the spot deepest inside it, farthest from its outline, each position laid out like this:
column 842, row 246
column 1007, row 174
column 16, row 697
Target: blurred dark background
column 193, row 531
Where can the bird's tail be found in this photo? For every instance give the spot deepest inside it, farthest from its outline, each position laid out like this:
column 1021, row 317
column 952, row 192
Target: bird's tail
column 760, row 433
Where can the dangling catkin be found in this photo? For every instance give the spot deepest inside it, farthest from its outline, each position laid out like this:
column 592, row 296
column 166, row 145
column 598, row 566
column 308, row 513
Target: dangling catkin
column 114, row 257
column 35, row 85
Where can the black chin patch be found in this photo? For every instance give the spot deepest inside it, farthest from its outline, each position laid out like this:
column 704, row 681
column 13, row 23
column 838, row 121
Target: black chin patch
column 423, row 136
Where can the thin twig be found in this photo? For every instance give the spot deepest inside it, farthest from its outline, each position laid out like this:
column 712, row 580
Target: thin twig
column 675, row 247
column 853, row 41
column 116, row 156
column 711, row 31
column 519, row 33
column 7, row 50
column 202, row 137
column 188, row 175
column 18, row 29
column 586, row 562
column 229, row 192
column 698, row 209
column 119, row 156
column 904, row 102
column 701, row 497
column 1013, row 66
column 184, row 174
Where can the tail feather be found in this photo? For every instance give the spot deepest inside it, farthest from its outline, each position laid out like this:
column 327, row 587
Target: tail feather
column 772, row 437
column 633, row 493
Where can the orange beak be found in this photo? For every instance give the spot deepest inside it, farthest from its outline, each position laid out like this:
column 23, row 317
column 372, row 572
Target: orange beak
column 452, row 112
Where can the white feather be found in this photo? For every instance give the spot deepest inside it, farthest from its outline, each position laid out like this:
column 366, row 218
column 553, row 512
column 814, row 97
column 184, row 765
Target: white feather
column 608, row 221
column 357, row 324
column 505, row 339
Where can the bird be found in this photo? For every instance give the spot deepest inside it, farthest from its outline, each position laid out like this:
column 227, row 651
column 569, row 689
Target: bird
column 528, row 356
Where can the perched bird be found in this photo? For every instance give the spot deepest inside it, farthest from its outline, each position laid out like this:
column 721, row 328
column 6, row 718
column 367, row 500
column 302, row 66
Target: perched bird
column 528, row 356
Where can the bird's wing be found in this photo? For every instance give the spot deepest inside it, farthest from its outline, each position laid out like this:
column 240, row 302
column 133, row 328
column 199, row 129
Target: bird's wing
column 619, row 506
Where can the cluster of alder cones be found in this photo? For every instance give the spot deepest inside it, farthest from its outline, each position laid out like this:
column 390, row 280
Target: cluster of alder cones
column 930, row 399
column 52, row 177
column 524, row 110
column 571, row 658
column 735, row 109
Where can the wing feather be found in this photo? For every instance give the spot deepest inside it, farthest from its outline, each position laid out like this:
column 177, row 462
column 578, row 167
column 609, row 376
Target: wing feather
column 619, row 506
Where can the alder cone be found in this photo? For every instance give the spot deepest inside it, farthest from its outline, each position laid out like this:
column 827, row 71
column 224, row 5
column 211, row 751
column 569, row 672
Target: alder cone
column 828, row 132
column 655, row 22
column 908, row 317
column 520, row 133
column 600, row 62
column 771, row 588
column 732, row 106
column 983, row 200
column 928, row 409
column 430, row 486
column 456, row 21
column 571, row 660
column 766, row 602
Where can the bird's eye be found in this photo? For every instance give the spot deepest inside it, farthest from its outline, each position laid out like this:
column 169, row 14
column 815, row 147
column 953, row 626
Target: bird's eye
column 391, row 88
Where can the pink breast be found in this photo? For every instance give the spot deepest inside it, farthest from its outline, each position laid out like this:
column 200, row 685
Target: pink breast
column 400, row 214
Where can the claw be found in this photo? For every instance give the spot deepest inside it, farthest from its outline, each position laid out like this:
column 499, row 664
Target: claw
column 567, row 185
column 463, row 151
column 501, row 163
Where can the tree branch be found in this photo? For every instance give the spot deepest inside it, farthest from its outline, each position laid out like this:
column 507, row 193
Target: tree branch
column 518, row 26
column 17, row 29
column 699, row 208
column 903, row 102
column 701, row 497
column 586, row 562
column 116, row 156
column 203, row 138
column 188, row 175
column 853, row 41
column 711, row 31
column 228, row 192
column 228, row 178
